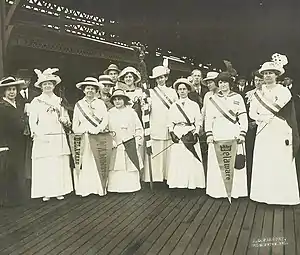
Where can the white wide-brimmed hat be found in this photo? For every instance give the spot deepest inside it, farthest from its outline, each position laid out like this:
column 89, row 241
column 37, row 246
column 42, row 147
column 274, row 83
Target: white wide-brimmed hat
column 130, row 69
column 10, row 81
column 159, row 71
column 106, row 80
column 112, row 67
column 47, row 75
column 88, row 81
column 119, row 93
column 211, row 76
column 272, row 66
column 184, row 81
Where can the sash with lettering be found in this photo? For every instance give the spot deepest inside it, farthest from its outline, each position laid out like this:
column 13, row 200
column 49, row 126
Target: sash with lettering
column 287, row 113
column 101, row 146
column 92, row 118
column 163, row 97
column 227, row 113
column 77, row 145
column 226, row 152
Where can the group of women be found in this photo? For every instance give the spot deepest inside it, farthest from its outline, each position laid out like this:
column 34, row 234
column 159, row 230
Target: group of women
column 114, row 103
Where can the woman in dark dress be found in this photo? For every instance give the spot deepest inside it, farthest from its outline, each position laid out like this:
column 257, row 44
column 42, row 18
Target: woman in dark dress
column 12, row 144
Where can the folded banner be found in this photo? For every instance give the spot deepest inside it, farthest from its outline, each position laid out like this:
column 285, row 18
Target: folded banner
column 101, row 146
column 76, row 145
column 130, row 148
column 226, row 152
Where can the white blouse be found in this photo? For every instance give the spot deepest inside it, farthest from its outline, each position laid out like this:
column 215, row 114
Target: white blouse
column 96, row 111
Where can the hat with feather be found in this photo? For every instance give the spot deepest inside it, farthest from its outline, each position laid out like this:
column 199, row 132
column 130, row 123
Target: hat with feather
column 46, row 75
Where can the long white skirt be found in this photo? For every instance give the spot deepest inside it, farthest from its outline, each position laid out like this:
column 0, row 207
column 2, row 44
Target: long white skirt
column 51, row 176
column 274, row 176
column 87, row 180
column 124, row 177
column 123, row 181
column 161, row 162
column 215, row 185
column 185, row 170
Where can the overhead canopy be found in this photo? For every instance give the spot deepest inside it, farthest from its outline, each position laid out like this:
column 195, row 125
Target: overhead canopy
column 245, row 32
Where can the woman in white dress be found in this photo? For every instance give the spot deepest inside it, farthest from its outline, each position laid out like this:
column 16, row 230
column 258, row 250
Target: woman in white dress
column 51, row 173
column 186, row 168
column 90, row 117
column 218, row 128
column 128, row 132
column 131, row 77
column 274, row 176
column 160, row 100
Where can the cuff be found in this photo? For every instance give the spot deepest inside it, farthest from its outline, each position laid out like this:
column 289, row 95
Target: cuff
column 243, row 133
column 208, row 133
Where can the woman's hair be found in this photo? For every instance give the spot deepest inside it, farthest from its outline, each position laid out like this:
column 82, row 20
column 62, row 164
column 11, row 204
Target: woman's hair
column 84, row 86
column 187, row 86
column 125, row 99
column 3, row 89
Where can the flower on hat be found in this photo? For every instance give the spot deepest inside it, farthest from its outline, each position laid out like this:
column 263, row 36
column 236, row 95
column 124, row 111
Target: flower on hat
column 46, row 75
column 277, row 64
column 272, row 66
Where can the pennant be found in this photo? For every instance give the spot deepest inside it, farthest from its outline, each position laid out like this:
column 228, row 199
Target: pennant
column 101, row 146
column 76, row 146
column 130, row 148
column 226, row 152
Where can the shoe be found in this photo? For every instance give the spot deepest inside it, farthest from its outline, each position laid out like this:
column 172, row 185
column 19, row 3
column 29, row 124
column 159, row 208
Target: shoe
column 45, row 199
column 60, row 197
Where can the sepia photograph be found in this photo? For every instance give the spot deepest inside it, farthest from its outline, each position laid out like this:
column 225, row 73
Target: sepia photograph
column 149, row 127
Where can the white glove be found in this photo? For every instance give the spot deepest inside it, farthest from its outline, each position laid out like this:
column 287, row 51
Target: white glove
column 210, row 139
column 241, row 139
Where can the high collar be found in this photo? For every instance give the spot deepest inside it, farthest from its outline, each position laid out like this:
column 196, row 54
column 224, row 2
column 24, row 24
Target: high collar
column 183, row 100
column 220, row 94
column 89, row 102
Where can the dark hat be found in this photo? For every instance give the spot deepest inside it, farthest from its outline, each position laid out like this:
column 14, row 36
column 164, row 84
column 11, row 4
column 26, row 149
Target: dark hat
column 241, row 77
column 106, row 80
column 119, row 93
column 112, row 67
column 11, row 81
column 24, row 73
column 224, row 76
column 257, row 74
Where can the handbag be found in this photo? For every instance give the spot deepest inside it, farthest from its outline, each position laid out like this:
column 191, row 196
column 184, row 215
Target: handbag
column 240, row 160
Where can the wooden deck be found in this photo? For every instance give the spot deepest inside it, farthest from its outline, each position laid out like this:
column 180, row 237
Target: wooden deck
column 164, row 222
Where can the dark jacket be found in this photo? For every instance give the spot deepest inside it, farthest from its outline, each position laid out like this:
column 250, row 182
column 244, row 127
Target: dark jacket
column 198, row 97
column 32, row 93
column 12, row 179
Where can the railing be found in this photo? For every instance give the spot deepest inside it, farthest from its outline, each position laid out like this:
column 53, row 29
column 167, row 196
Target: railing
column 89, row 26
column 74, row 22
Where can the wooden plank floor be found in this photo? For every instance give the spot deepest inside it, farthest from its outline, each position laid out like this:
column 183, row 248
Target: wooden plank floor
column 161, row 222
